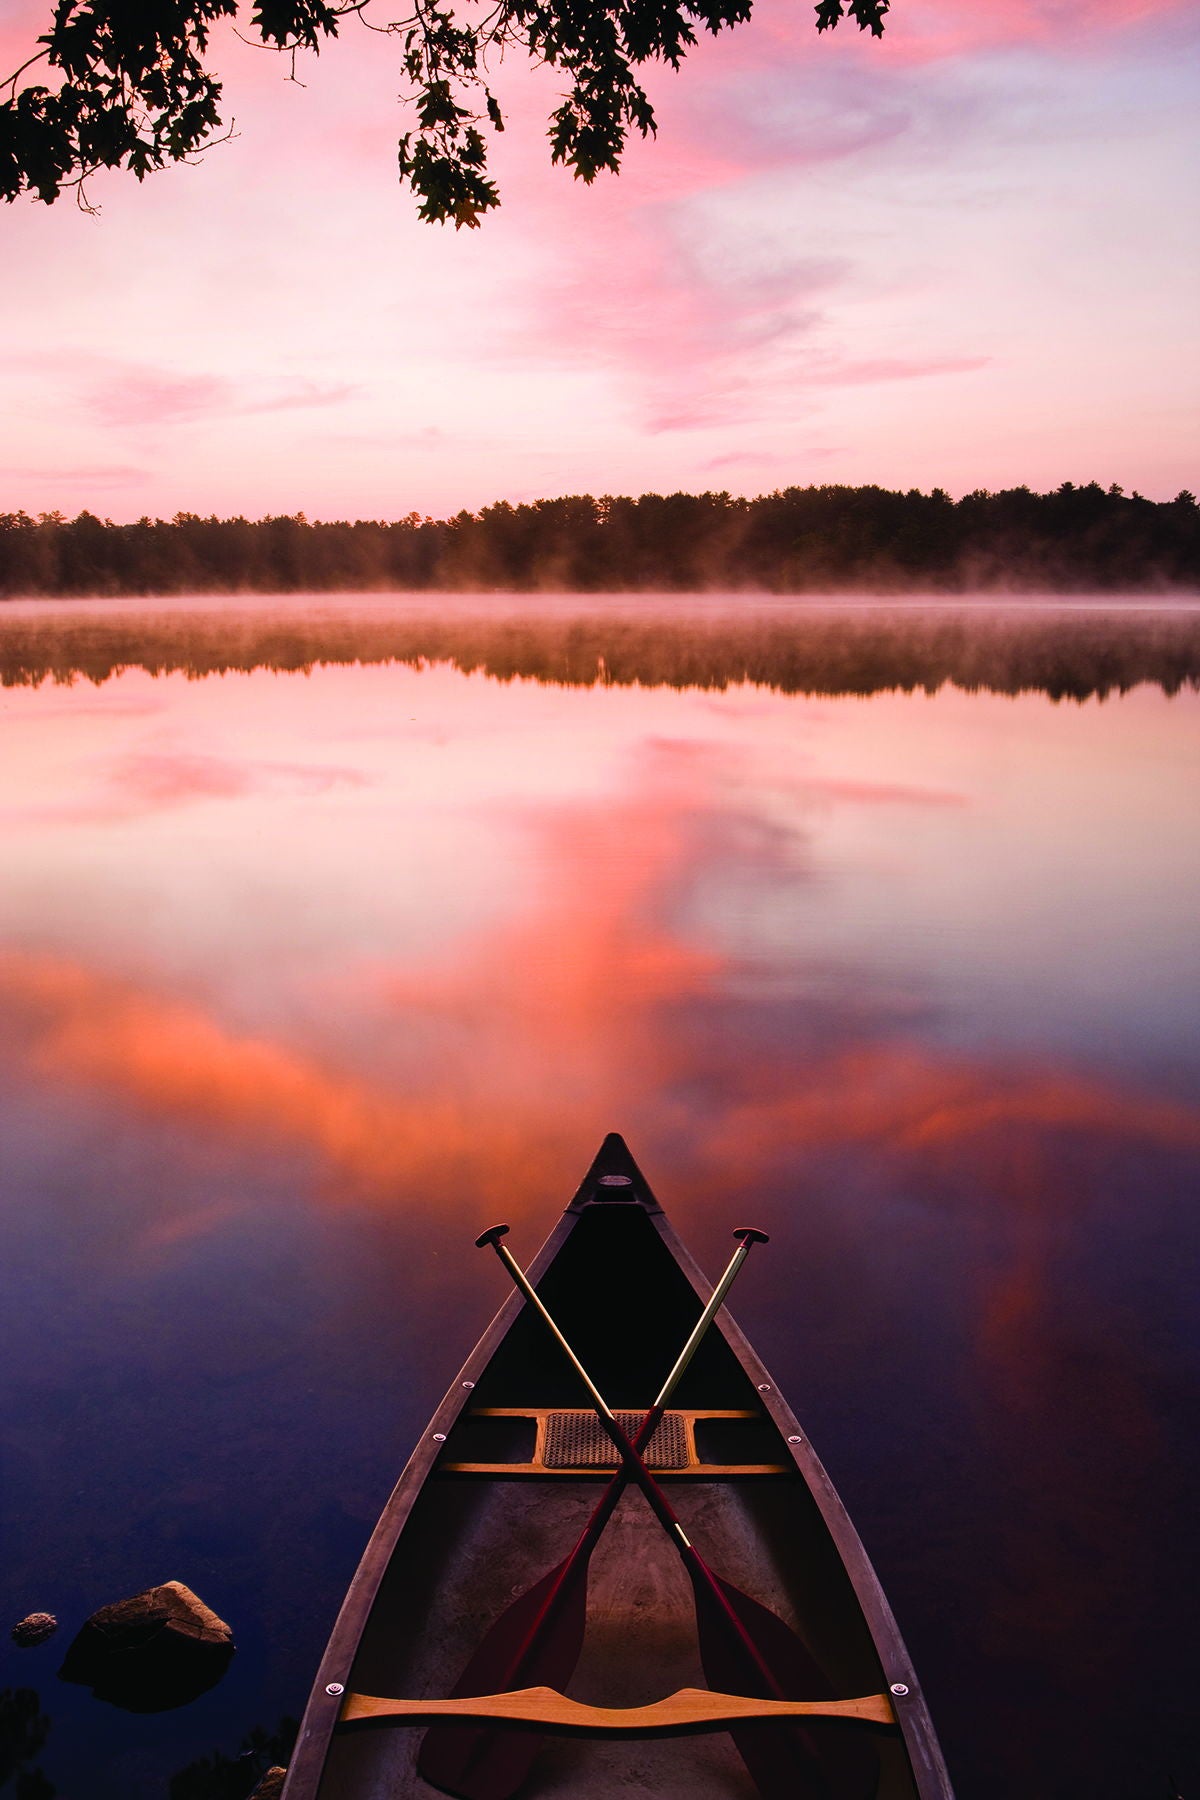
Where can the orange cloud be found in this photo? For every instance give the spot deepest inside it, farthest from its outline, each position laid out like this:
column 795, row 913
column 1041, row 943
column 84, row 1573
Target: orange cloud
column 491, row 1076
column 537, row 1040
column 911, row 1099
column 176, row 1062
column 584, row 982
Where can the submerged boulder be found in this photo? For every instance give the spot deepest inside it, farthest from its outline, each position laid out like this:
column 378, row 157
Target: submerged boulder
column 35, row 1628
column 157, row 1650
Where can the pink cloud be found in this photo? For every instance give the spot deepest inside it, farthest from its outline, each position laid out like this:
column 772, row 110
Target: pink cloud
column 157, row 778
column 427, row 437
column 938, row 29
column 90, row 475
column 690, row 337
column 750, row 459
column 147, row 396
column 154, row 397
column 166, row 780
column 882, row 793
column 921, row 31
column 835, row 373
column 775, row 113
column 302, row 394
column 708, row 322
column 699, row 343
column 147, row 782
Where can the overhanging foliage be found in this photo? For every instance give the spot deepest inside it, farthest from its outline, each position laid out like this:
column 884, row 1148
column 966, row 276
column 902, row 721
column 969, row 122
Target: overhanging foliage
column 133, row 90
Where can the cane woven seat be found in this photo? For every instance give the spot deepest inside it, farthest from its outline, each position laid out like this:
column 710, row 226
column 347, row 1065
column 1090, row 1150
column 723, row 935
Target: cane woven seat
column 577, row 1440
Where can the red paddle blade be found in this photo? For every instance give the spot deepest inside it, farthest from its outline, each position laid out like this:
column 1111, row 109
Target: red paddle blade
column 535, row 1642
column 818, row 1761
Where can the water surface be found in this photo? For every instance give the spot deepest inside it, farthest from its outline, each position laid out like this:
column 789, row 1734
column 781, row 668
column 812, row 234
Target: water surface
column 330, row 934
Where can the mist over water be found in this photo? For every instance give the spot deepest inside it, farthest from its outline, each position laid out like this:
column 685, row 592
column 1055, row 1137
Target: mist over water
column 864, row 645
column 332, row 931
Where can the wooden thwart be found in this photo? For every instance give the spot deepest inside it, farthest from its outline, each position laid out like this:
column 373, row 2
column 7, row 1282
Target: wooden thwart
column 689, row 1710
column 687, row 1464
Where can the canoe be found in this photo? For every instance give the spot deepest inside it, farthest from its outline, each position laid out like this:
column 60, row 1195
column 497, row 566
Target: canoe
column 497, row 1492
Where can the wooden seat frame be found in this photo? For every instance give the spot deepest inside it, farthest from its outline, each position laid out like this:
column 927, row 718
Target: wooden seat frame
column 539, row 1466
column 545, row 1709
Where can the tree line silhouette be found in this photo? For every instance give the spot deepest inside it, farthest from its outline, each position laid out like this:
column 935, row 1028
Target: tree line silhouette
column 796, row 540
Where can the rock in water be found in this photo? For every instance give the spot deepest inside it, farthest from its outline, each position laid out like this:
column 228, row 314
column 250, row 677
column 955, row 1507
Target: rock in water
column 158, row 1650
column 35, row 1628
column 270, row 1785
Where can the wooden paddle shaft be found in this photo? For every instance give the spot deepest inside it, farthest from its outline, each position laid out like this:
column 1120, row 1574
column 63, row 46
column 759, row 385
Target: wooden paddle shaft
column 702, row 1576
column 577, row 1561
column 629, row 1456
column 563, row 1586
column 748, row 1235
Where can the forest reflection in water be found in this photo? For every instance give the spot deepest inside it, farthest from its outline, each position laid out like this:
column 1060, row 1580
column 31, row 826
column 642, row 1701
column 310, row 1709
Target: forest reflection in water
column 305, row 980
column 796, row 648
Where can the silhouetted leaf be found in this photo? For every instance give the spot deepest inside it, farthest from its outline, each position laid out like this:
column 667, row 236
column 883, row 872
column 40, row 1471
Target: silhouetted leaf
column 133, row 91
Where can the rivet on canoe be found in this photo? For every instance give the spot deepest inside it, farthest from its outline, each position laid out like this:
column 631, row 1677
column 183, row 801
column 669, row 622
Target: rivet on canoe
column 468, row 1384
column 764, row 1387
column 335, row 1688
column 616, row 1181
column 439, row 1437
column 795, row 1438
column 899, row 1688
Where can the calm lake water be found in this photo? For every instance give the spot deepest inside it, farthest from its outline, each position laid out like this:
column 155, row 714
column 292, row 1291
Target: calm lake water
column 331, row 931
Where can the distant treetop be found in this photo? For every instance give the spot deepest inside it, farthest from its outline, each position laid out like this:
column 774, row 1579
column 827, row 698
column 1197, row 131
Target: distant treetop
column 133, row 92
column 829, row 539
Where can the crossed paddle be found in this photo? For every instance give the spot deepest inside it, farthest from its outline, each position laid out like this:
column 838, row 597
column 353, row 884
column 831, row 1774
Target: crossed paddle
column 745, row 1648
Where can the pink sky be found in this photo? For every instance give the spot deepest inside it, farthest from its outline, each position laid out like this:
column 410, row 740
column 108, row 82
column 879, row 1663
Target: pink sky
column 966, row 256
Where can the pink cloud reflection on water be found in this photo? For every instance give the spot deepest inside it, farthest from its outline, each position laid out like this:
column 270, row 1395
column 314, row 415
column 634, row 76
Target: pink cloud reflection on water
column 429, row 928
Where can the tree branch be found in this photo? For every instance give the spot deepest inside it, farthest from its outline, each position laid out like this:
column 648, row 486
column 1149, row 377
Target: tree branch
column 135, row 92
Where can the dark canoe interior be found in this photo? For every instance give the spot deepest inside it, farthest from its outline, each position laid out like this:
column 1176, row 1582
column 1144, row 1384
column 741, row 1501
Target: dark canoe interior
column 473, row 1537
